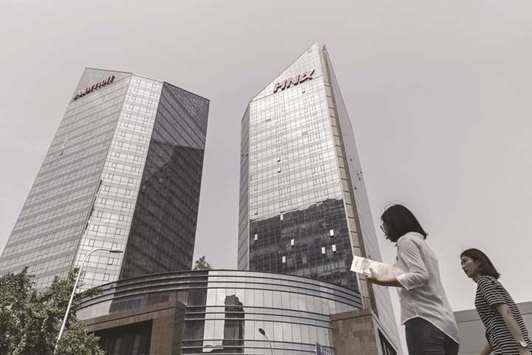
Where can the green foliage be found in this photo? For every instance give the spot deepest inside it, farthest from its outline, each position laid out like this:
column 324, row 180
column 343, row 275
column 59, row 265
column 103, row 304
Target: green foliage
column 76, row 342
column 201, row 264
column 30, row 320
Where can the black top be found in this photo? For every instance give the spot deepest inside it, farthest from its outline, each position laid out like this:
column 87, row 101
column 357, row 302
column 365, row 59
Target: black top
column 491, row 293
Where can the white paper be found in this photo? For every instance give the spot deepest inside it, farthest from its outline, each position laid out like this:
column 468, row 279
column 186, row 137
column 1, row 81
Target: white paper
column 368, row 267
column 360, row 265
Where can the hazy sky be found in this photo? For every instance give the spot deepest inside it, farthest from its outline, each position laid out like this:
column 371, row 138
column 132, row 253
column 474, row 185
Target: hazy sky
column 439, row 93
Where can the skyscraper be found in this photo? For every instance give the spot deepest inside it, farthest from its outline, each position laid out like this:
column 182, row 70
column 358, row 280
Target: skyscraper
column 304, row 209
column 123, row 172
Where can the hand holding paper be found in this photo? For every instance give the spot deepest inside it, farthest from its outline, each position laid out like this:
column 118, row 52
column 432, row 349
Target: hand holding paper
column 361, row 265
column 371, row 268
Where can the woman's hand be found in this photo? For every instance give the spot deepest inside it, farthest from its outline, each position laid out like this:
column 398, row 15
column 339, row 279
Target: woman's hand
column 374, row 278
column 487, row 350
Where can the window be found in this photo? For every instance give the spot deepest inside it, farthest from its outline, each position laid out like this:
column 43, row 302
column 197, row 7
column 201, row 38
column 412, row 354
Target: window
column 323, row 250
column 292, row 242
column 284, row 259
column 331, row 232
column 334, row 248
column 256, row 237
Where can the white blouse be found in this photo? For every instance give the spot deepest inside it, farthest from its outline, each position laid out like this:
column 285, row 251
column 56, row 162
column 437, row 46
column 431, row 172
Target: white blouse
column 422, row 294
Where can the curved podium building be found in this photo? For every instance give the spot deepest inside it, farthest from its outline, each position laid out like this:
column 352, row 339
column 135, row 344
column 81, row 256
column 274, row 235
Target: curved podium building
column 218, row 312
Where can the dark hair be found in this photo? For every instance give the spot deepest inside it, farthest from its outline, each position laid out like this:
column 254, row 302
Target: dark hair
column 399, row 221
column 486, row 266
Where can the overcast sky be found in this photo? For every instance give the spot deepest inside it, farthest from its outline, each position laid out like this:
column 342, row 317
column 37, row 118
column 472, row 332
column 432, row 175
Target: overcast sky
column 439, row 94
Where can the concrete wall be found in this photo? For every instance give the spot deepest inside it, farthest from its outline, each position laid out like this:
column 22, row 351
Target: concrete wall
column 359, row 333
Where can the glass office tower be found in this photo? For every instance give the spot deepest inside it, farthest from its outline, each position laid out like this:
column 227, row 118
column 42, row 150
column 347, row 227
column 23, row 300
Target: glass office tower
column 304, row 209
column 123, row 172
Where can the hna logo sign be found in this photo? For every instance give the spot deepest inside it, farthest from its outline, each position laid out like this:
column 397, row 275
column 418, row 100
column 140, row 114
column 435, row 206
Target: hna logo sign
column 90, row 89
column 296, row 80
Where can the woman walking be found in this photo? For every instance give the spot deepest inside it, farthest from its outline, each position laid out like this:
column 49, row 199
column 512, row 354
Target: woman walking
column 429, row 321
column 506, row 332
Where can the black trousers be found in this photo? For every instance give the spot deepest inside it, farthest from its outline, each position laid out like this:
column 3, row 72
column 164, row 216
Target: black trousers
column 422, row 338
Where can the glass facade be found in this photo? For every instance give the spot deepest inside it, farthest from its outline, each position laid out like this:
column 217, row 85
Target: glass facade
column 164, row 222
column 310, row 242
column 95, row 186
column 303, row 205
column 226, row 309
column 363, row 237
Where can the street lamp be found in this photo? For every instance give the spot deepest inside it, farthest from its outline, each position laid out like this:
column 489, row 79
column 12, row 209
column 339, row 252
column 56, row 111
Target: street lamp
column 74, row 289
column 264, row 335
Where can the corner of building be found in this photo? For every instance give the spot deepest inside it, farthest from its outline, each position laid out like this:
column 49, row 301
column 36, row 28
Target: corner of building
column 361, row 330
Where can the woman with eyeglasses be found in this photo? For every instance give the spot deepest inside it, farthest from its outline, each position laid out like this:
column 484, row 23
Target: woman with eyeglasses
column 506, row 332
column 429, row 321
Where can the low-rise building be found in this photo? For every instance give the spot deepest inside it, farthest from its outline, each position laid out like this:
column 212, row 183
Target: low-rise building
column 231, row 312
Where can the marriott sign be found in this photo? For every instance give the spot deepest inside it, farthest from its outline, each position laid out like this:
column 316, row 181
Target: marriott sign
column 296, row 80
column 90, row 89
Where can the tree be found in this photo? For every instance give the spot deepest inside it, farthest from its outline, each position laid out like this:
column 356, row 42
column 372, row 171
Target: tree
column 201, row 264
column 30, row 320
